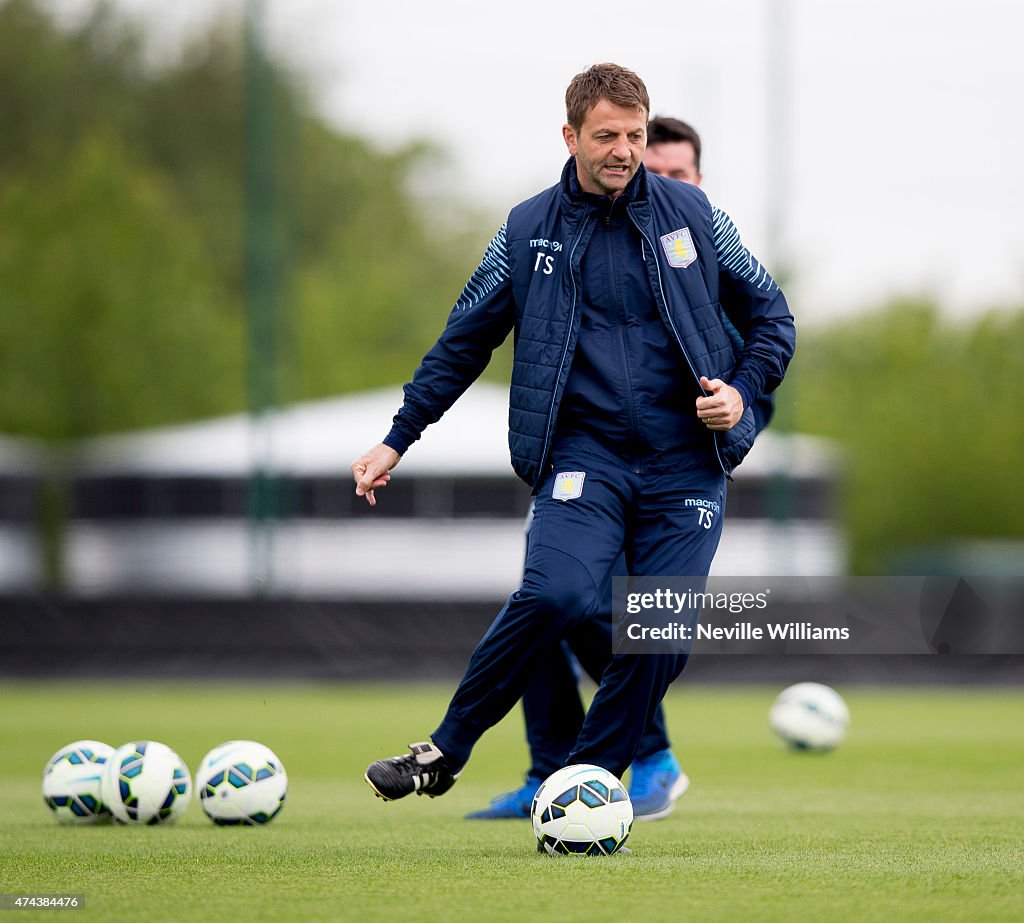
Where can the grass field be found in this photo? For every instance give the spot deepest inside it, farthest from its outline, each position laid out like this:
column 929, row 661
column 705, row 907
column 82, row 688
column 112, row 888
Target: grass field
column 918, row 816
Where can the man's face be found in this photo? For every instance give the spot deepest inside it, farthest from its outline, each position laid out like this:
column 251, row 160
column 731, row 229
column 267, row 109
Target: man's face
column 674, row 159
column 608, row 147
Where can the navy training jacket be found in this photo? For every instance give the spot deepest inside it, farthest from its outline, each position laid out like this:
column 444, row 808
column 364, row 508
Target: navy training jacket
column 703, row 280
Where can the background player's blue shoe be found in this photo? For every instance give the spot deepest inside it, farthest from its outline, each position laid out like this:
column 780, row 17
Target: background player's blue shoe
column 655, row 784
column 512, row 804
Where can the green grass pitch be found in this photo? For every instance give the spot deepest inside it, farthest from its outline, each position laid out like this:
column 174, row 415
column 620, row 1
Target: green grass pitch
column 919, row 815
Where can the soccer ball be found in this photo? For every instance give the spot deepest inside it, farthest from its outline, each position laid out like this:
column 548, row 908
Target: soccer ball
column 810, row 716
column 582, row 809
column 71, row 782
column 241, row 782
column 146, row 783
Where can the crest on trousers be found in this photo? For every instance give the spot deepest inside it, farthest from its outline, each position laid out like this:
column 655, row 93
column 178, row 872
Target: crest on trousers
column 679, row 248
column 568, row 485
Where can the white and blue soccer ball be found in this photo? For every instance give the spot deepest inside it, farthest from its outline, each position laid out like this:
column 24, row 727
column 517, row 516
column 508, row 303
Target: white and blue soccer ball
column 71, row 782
column 146, row 782
column 241, row 783
column 810, row 716
column 582, row 810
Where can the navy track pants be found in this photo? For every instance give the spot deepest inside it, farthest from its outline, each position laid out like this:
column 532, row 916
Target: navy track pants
column 552, row 707
column 574, row 543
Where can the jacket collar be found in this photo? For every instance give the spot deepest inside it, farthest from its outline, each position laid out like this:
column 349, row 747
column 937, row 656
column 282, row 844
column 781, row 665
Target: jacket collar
column 575, row 197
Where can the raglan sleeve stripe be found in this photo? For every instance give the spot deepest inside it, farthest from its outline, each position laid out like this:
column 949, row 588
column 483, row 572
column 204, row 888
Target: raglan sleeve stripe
column 492, row 272
column 736, row 258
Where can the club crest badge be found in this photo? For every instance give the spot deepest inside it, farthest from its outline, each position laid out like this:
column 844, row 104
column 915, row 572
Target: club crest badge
column 679, row 248
column 568, row 485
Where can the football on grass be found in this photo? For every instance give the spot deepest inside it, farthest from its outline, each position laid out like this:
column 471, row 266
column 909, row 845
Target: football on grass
column 582, row 810
column 71, row 782
column 241, row 783
column 810, row 716
column 146, row 782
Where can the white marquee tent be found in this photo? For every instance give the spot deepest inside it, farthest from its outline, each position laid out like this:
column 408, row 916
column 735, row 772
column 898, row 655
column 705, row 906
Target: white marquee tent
column 367, row 555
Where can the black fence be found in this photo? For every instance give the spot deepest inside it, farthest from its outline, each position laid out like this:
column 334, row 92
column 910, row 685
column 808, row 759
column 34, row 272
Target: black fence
column 136, row 497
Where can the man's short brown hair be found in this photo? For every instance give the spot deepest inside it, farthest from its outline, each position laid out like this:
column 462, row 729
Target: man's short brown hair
column 604, row 81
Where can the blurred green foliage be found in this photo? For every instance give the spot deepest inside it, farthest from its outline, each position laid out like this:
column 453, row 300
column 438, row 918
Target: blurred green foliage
column 122, row 220
column 122, row 217
column 927, row 413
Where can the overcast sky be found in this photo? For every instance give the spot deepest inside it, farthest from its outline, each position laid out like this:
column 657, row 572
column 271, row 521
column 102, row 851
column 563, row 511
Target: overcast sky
column 896, row 161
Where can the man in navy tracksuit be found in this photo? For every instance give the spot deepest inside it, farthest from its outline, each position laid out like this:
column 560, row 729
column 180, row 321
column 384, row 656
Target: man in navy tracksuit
column 630, row 404
column 552, row 708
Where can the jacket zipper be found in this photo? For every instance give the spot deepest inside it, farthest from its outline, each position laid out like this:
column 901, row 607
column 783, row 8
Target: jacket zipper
column 561, row 363
column 628, row 379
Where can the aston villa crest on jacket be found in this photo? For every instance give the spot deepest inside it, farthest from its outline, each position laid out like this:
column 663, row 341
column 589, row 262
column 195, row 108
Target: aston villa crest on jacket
column 568, row 485
column 679, row 248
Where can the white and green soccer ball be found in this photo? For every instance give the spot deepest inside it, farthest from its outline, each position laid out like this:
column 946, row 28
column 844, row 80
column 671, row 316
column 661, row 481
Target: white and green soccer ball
column 241, row 783
column 582, row 810
column 810, row 716
column 146, row 782
column 71, row 782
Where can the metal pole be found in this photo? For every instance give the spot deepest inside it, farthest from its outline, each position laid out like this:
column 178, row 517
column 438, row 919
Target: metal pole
column 262, row 294
column 780, row 491
column 778, row 155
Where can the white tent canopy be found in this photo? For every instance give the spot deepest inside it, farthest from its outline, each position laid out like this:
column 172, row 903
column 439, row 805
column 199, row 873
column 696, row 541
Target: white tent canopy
column 323, row 437
column 314, row 438
column 471, row 557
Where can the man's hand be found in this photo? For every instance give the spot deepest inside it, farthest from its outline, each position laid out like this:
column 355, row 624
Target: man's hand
column 722, row 408
column 371, row 471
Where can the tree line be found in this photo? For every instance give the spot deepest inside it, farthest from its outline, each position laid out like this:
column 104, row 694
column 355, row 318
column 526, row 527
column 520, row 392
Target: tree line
column 123, row 283
column 122, row 234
